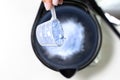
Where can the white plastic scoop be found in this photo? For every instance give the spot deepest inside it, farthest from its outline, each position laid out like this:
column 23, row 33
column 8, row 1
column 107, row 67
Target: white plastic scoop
column 50, row 33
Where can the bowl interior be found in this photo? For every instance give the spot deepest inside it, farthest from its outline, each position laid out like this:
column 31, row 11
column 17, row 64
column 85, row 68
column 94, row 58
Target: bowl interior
column 82, row 39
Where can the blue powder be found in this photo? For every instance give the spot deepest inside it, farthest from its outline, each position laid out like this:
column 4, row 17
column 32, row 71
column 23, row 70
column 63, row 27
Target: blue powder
column 74, row 34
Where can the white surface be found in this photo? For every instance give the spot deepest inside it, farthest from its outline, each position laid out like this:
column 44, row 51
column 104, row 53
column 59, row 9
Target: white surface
column 110, row 6
column 18, row 61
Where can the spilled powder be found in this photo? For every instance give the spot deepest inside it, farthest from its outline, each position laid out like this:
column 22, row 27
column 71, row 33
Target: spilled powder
column 74, row 34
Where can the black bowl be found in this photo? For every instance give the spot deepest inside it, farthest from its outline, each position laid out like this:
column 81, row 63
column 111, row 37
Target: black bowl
column 92, row 42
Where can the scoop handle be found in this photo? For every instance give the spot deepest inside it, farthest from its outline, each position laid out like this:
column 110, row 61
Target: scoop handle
column 53, row 13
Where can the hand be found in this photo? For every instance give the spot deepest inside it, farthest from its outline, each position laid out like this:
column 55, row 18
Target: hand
column 50, row 3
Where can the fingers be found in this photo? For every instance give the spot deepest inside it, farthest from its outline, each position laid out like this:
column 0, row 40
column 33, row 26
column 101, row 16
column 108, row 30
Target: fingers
column 60, row 1
column 55, row 2
column 49, row 3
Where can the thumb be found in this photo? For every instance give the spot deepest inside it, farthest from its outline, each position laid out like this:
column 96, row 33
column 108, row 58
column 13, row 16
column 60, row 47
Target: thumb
column 47, row 4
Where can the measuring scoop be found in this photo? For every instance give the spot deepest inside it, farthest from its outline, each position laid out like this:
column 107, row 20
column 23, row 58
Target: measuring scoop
column 50, row 33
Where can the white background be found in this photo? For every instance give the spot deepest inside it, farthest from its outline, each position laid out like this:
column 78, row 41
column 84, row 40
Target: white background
column 18, row 61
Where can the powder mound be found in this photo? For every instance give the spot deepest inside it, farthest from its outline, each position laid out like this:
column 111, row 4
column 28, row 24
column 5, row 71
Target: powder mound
column 74, row 34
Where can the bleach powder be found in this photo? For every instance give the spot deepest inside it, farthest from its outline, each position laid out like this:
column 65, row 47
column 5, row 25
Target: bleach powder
column 74, row 34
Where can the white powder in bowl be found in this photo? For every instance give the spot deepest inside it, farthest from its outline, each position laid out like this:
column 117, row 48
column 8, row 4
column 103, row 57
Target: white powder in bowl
column 74, row 34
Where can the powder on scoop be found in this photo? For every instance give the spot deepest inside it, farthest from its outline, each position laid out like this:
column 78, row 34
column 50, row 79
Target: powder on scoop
column 74, row 34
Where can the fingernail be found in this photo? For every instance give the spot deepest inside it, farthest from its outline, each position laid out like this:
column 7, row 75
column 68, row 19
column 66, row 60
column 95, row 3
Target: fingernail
column 47, row 6
column 61, row 2
column 55, row 2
